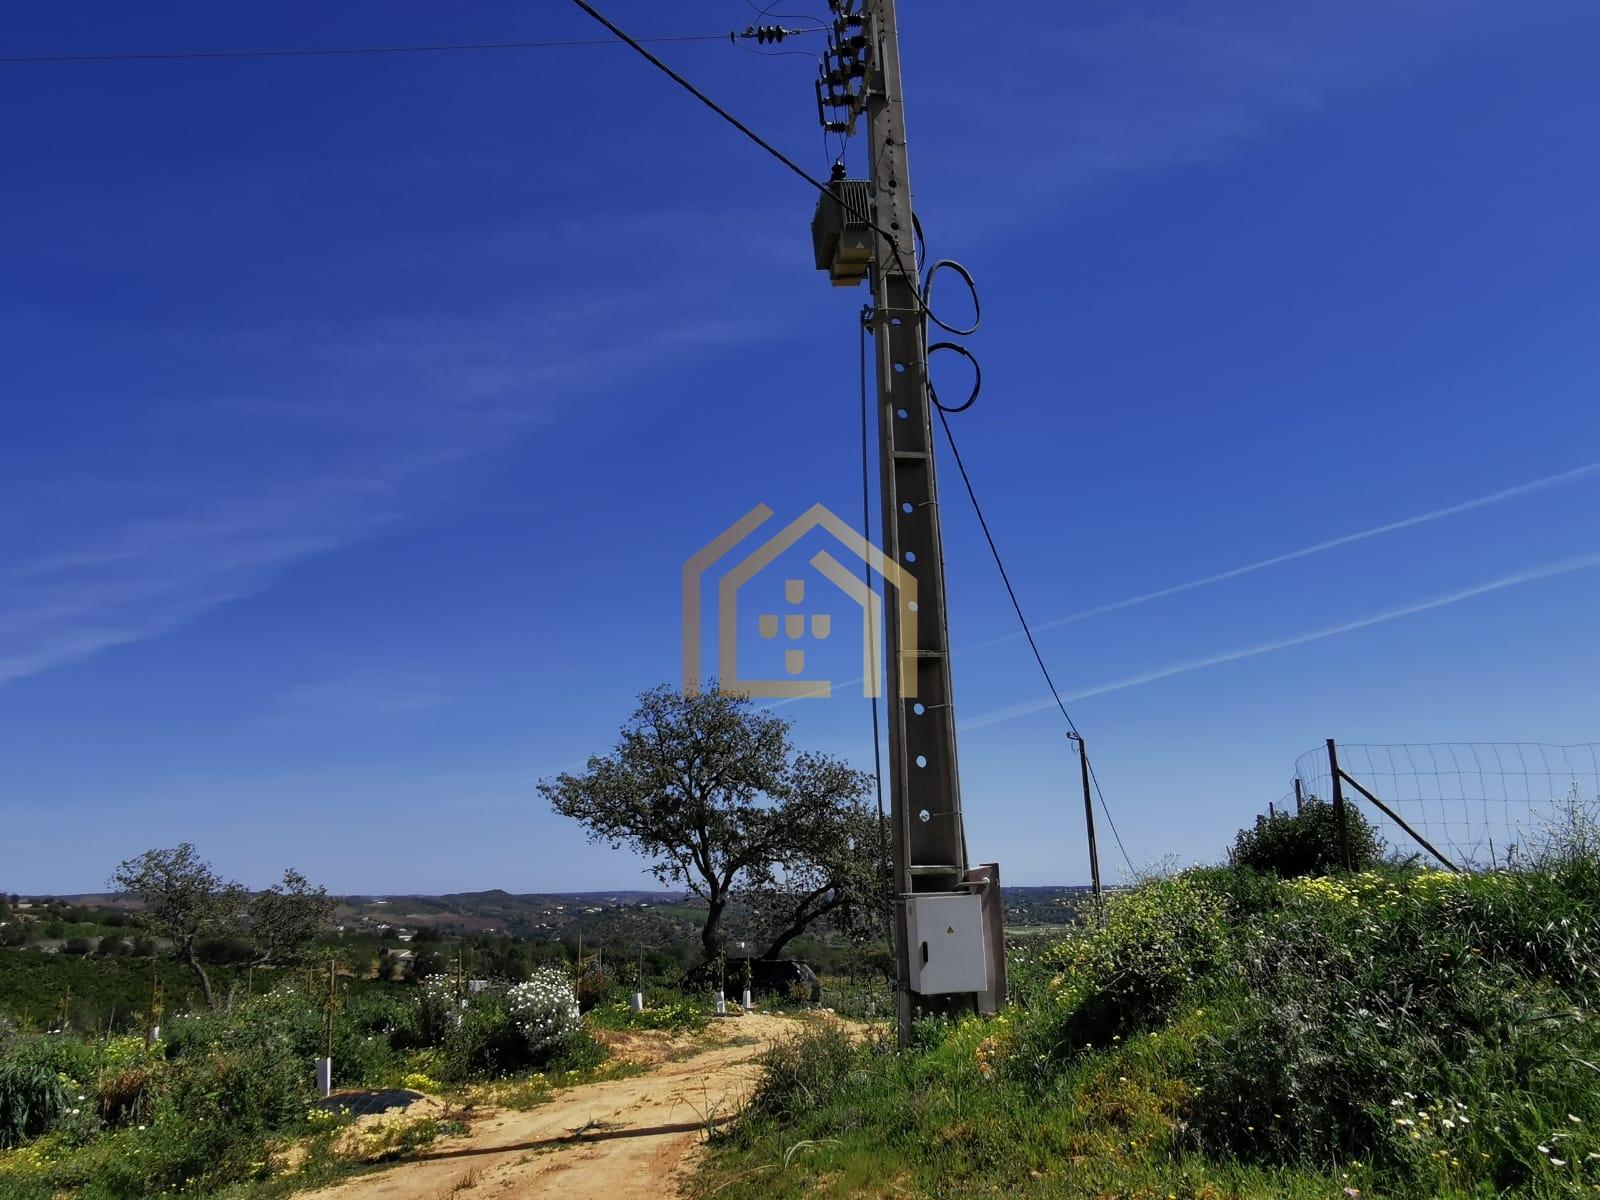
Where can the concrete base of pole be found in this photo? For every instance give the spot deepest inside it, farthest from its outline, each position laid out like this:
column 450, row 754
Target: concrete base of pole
column 638, row 1002
column 722, row 1005
column 155, row 1033
column 745, row 1001
column 325, row 1076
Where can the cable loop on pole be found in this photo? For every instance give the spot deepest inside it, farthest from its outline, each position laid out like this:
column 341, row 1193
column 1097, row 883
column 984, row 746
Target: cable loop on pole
column 977, row 378
column 950, row 264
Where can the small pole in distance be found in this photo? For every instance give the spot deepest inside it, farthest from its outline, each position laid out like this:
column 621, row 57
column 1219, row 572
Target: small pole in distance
column 1088, row 819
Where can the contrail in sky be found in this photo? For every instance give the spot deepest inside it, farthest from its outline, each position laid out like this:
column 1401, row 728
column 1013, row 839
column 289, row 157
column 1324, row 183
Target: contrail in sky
column 1510, row 493
column 1195, row 664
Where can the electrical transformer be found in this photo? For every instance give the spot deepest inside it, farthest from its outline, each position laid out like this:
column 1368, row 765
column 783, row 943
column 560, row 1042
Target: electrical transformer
column 841, row 233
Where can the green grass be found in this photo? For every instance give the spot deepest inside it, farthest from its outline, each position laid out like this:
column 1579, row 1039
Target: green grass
column 1401, row 1033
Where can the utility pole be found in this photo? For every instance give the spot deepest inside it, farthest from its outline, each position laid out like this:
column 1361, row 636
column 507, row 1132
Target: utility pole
column 1088, row 820
column 929, row 853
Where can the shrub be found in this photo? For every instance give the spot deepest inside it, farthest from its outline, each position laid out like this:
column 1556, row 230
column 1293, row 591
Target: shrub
column 797, row 1076
column 436, row 1011
column 545, row 1010
column 1126, row 973
column 1307, row 843
column 485, row 1040
column 41, row 1079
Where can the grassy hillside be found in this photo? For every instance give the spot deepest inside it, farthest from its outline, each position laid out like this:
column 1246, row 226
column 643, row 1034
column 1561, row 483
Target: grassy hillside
column 1396, row 1033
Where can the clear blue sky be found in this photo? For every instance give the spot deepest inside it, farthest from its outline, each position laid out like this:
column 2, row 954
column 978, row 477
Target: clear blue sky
column 359, row 413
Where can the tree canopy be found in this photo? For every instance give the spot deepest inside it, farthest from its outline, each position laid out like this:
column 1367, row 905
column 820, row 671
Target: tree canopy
column 186, row 901
column 712, row 791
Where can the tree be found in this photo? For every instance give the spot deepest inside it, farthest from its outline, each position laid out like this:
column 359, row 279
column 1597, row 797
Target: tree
column 711, row 790
column 207, row 918
column 283, row 921
column 184, row 901
column 841, row 876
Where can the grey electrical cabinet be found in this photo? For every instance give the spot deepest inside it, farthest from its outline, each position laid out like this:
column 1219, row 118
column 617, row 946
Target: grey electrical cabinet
column 946, row 933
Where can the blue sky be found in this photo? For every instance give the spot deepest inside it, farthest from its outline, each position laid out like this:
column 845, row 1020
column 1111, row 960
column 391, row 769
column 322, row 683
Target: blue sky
column 358, row 414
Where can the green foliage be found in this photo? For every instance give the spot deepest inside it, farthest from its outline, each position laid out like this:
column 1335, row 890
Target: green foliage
column 40, row 1080
column 1307, row 843
column 498, row 1030
column 799, row 1075
column 1399, row 1032
column 1111, row 978
column 709, row 788
column 665, row 1011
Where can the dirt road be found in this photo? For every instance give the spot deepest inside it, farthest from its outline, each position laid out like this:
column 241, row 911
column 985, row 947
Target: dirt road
column 625, row 1139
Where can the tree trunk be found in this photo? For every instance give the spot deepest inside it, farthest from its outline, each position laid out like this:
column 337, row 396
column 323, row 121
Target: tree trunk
column 191, row 961
column 802, row 921
column 710, row 934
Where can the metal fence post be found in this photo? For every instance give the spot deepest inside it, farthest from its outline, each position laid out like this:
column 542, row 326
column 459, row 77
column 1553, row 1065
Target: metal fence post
column 1299, row 797
column 1338, row 803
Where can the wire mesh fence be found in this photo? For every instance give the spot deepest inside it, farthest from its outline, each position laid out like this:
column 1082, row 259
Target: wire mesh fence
column 1483, row 804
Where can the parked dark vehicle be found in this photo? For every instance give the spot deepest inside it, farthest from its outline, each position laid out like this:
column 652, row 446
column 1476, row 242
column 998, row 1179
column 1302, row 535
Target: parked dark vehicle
column 768, row 977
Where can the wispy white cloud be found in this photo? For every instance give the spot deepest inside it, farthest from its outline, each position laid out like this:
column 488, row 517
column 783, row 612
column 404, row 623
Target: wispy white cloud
column 347, row 429
column 1101, row 90
column 1515, row 579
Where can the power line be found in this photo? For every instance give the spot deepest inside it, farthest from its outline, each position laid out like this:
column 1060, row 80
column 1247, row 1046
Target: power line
column 347, row 51
column 1027, row 630
column 922, row 304
column 865, row 218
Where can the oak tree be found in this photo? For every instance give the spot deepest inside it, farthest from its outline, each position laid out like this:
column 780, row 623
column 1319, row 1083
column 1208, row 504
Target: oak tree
column 710, row 790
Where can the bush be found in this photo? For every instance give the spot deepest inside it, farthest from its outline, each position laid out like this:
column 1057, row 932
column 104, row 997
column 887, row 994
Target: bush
column 1307, row 843
column 545, row 1011
column 485, row 1041
column 797, row 1076
column 111, row 946
column 41, row 1079
column 1126, row 973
